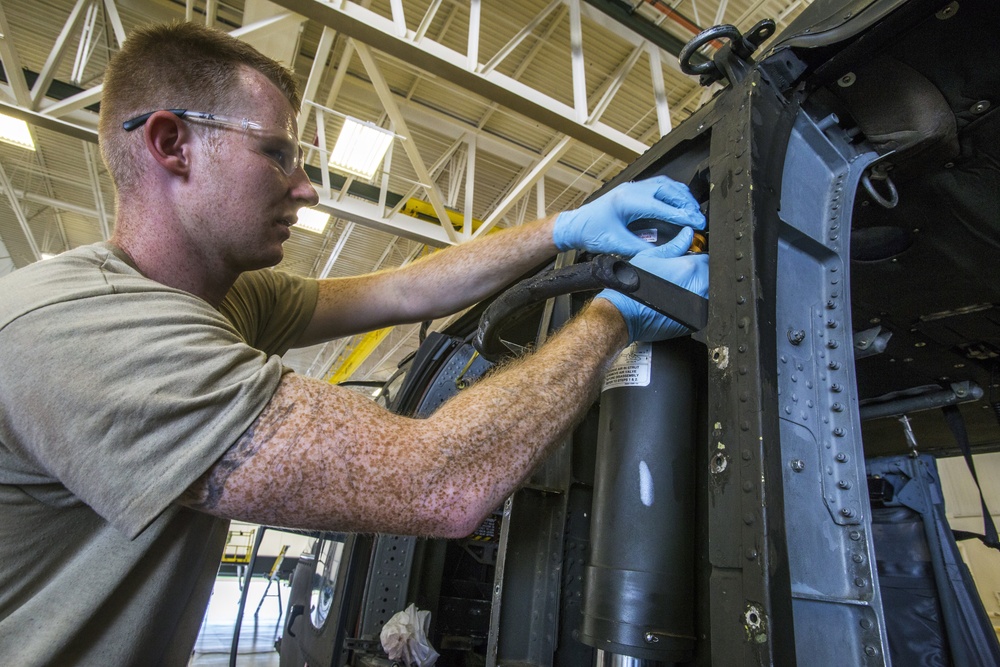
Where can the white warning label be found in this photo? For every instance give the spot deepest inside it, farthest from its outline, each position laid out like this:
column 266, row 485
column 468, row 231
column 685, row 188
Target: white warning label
column 631, row 368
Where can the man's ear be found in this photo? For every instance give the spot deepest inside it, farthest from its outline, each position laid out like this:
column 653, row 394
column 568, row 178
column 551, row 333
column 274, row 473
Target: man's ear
column 169, row 140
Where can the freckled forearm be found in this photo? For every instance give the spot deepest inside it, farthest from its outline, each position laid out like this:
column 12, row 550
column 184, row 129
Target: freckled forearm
column 507, row 424
column 457, row 277
column 321, row 457
column 436, row 285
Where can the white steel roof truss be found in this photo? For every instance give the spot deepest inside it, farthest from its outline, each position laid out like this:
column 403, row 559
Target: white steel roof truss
column 540, row 208
column 398, row 19
column 93, row 159
column 211, row 10
column 409, row 146
column 425, row 22
column 578, row 67
column 111, row 12
column 659, row 90
column 70, row 27
column 12, row 64
column 15, row 204
column 337, row 249
column 612, row 85
column 85, row 47
column 58, row 204
column 470, row 183
column 472, row 52
column 371, row 215
column 366, row 26
column 524, row 186
column 516, row 40
column 315, row 77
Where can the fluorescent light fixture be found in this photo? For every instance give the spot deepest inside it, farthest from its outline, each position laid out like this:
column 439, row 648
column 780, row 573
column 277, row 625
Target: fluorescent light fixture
column 15, row 131
column 360, row 148
column 313, row 220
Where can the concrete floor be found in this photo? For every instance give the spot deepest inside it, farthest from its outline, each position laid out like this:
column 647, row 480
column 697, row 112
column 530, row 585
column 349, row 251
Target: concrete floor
column 257, row 635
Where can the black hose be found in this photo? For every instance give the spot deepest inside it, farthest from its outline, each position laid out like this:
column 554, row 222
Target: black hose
column 511, row 306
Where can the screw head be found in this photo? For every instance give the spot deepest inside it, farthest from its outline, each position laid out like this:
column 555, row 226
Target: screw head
column 947, row 11
column 795, row 337
column 798, row 465
column 847, row 80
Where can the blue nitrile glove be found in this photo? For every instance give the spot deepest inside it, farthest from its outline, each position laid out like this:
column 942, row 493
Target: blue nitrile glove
column 669, row 262
column 600, row 226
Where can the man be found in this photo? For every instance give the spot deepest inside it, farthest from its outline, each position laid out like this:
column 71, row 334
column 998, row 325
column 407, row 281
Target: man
column 142, row 401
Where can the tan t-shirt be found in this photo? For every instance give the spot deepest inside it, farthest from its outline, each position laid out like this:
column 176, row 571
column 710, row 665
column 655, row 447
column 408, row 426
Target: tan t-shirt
column 116, row 394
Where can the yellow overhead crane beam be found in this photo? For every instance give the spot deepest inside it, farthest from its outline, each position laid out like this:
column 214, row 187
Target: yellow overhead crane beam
column 361, row 351
column 417, row 208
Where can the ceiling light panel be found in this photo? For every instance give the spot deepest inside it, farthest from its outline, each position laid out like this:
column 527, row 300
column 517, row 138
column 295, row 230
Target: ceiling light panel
column 360, row 148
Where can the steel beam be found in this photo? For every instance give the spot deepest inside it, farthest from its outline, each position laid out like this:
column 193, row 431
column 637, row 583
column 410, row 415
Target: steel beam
column 370, row 28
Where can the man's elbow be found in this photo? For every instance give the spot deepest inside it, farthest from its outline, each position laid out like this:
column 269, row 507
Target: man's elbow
column 464, row 526
column 457, row 520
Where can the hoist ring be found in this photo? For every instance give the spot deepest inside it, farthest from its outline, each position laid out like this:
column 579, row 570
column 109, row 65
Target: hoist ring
column 724, row 31
column 893, row 199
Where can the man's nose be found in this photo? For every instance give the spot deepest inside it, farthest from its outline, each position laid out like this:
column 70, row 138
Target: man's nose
column 302, row 188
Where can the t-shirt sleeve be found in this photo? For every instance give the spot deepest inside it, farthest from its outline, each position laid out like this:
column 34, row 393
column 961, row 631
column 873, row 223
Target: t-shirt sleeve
column 271, row 308
column 126, row 399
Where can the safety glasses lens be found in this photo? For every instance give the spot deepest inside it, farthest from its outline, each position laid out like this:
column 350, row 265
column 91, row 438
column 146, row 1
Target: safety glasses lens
column 281, row 149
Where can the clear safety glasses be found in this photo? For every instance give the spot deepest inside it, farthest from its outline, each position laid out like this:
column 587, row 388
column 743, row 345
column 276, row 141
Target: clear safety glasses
column 279, row 146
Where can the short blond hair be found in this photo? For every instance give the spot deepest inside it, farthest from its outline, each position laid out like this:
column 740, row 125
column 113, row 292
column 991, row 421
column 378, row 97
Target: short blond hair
column 174, row 66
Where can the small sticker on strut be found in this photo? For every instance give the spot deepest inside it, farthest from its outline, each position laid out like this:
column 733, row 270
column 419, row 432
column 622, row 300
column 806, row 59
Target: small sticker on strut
column 631, row 368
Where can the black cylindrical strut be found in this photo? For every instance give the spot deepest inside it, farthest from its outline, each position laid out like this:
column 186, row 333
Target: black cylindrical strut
column 639, row 582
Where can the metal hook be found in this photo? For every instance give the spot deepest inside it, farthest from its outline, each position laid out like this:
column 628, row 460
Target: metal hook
column 893, row 199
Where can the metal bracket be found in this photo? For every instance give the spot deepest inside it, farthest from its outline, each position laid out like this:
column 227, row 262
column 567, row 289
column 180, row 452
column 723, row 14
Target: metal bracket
column 870, row 341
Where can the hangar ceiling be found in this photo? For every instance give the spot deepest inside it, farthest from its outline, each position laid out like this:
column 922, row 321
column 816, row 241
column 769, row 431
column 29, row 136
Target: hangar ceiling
column 505, row 111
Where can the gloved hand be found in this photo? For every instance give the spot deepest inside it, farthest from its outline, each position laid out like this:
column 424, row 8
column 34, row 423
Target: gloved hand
column 600, row 226
column 667, row 261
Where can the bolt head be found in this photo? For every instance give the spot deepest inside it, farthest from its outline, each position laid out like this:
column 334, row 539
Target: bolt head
column 980, row 106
